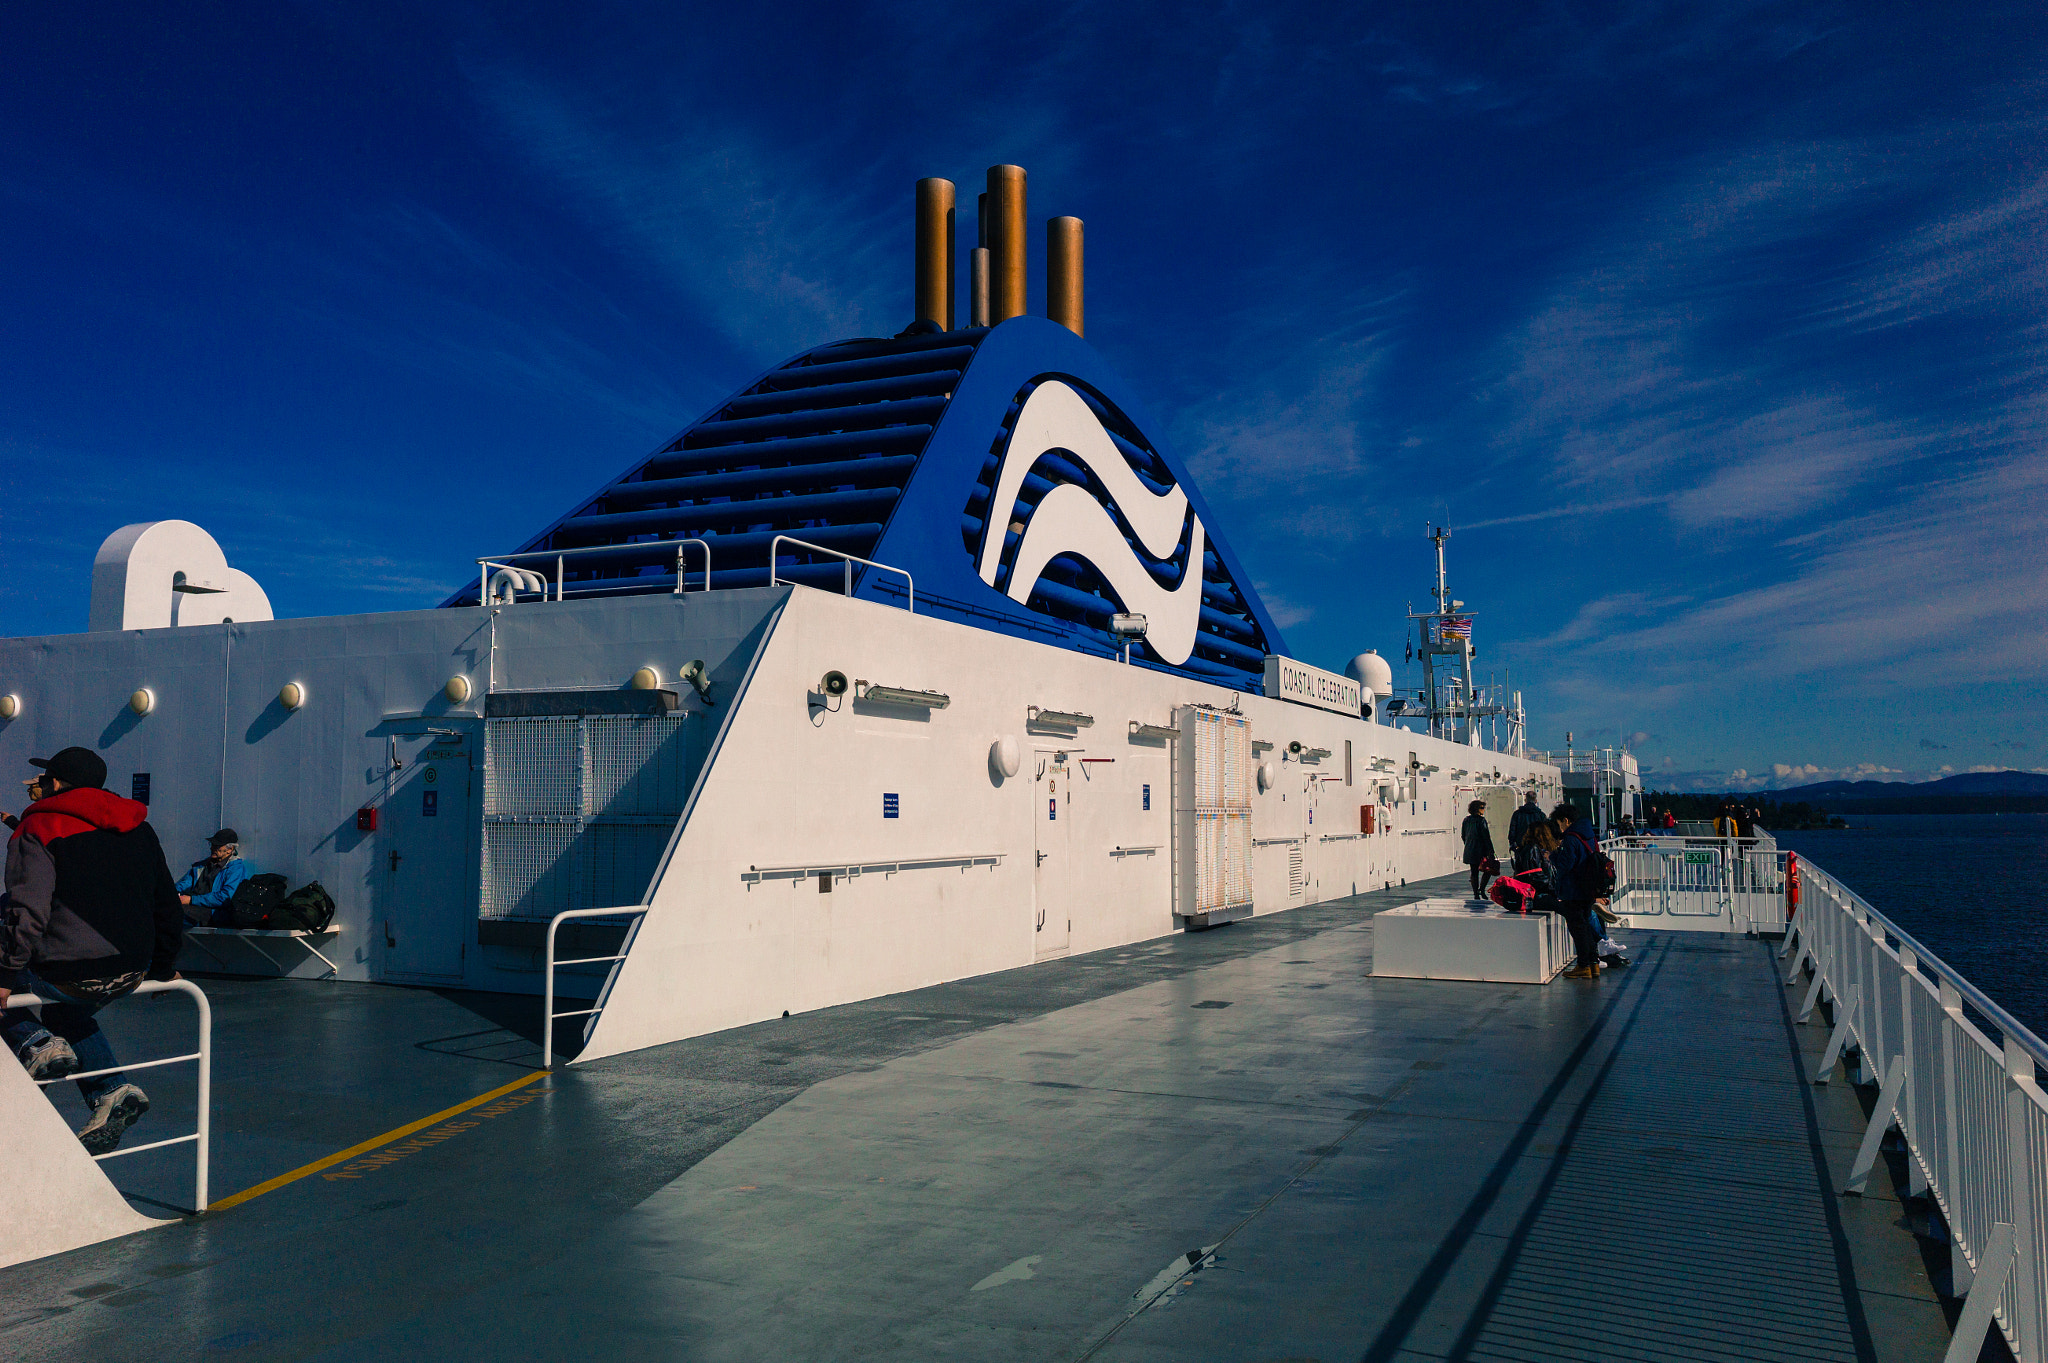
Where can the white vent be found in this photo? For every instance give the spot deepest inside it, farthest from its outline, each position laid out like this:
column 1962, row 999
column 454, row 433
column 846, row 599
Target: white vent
column 578, row 809
column 1213, row 813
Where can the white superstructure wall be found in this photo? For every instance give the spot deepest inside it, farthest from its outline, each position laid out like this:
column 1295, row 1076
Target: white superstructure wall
column 938, row 865
column 838, row 849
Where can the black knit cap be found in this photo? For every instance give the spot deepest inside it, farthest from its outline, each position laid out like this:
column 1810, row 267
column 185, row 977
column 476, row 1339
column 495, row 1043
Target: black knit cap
column 75, row 767
column 223, row 838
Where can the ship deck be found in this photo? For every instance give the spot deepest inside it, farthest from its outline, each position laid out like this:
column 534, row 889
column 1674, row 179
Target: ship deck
column 1021, row 1166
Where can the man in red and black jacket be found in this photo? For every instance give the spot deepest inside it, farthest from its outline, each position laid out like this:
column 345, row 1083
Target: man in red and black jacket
column 90, row 913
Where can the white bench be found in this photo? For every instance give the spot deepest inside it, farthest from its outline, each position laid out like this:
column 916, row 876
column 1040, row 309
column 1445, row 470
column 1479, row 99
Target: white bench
column 1469, row 939
column 253, row 936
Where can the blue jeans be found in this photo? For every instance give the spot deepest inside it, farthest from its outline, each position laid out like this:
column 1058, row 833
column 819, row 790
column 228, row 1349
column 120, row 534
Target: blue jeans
column 70, row 1019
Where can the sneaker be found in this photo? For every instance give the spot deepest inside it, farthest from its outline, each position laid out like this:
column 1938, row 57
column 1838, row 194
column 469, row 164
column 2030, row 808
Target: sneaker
column 1614, row 960
column 49, row 1058
column 111, row 1118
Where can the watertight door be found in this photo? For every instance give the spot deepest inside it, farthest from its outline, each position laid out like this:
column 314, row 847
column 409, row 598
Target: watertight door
column 1056, row 792
column 426, row 903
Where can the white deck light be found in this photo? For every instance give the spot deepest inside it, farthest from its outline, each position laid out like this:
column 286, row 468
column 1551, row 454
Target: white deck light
column 291, row 695
column 901, row 695
column 1058, row 719
column 457, row 690
column 143, row 701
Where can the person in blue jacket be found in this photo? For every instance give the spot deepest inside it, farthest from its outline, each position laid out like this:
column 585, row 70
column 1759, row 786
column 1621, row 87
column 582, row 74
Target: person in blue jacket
column 1575, row 850
column 211, row 883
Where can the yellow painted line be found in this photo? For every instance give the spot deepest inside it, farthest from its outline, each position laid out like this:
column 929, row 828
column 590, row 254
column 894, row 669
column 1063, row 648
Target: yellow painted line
column 342, row 1156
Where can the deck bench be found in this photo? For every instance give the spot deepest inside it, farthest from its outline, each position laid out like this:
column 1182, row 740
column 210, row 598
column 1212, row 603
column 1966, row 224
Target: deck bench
column 254, row 937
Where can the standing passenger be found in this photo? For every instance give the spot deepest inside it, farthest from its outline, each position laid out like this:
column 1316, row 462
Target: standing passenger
column 1520, row 828
column 1478, row 847
column 90, row 914
column 1568, row 866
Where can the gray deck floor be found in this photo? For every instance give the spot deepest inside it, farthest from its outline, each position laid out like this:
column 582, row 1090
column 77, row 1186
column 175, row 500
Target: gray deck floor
column 1018, row 1166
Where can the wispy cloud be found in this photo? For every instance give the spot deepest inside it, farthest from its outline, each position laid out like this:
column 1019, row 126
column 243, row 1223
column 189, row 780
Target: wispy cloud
column 740, row 227
column 1736, row 365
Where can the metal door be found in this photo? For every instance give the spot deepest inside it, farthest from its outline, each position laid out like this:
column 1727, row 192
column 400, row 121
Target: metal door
column 1054, row 808
column 427, row 900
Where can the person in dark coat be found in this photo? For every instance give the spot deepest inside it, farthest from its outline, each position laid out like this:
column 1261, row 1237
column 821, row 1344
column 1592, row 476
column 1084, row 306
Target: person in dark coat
column 1478, row 847
column 1574, row 851
column 1520, row 829
column 90, row 913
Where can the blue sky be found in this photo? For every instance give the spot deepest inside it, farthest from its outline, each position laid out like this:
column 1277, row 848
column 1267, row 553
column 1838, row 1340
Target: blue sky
column 1716, row 332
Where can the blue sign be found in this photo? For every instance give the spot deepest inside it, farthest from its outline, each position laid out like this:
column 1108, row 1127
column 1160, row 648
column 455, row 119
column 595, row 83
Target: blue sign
column 138, row 787
column 1052, row 808
column 1148, row 797
column 889, row 806
column 430, row 803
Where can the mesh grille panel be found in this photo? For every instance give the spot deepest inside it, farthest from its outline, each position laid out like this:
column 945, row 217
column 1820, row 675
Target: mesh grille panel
column 531, row 766
column 527, row 870
column 578, row 809
column 1223, row 810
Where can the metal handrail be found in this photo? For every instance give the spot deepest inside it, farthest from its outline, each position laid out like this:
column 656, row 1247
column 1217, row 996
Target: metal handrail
column 547, row 1034
column 775, row 555
column 202, row 1137
column 484, row 565
column 2006, row 1023
column 1971, row 1110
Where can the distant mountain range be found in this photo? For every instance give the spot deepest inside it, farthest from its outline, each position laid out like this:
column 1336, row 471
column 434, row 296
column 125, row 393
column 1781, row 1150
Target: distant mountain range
column 1968, row 783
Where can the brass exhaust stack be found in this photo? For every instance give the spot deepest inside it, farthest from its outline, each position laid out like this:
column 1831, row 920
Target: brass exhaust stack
column 1063, row 272
column 977, row 306
column 935, row 252
column 1006, row 242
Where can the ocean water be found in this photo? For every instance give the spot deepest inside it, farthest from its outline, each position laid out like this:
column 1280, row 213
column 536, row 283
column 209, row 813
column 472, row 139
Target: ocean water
column 1973, row 889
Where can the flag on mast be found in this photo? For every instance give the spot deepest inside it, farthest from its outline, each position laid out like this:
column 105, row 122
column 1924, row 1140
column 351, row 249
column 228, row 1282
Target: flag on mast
column 1454, row 627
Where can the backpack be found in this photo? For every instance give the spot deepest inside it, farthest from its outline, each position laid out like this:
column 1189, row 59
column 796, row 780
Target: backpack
column 1596, row 876
column 254, row 900
column 309, row 909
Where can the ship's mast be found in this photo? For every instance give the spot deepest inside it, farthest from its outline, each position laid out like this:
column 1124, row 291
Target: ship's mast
column 1453, row 708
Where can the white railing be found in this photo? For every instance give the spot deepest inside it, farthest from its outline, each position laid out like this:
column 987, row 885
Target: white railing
column 484, row 565
column 202, row 1137
column 1738, row 883
column 775, row 557
column 1971, row 1110
column 547, row 1025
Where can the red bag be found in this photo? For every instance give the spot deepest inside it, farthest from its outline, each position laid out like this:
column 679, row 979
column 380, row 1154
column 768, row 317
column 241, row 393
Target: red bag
column 1511, row 894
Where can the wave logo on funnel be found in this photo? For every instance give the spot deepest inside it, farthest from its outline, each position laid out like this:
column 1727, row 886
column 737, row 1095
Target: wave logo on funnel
column 1070, row 520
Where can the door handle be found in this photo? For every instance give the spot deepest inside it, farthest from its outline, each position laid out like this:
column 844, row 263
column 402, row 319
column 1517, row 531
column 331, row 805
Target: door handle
column 1040, row 861
column 395, row 859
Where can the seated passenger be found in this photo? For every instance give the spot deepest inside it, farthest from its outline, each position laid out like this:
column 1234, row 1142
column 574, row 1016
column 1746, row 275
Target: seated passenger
column 206, row 889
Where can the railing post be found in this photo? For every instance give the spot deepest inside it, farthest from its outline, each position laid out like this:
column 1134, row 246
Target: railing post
column 1959, row 1271
column 1870, row 1016
column 205, row 1093
column 1909, row 1109
column 547, row 1017
column 2021, row 1088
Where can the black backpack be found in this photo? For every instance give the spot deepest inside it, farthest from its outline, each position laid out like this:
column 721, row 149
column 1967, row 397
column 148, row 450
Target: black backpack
column 1596, row 875
column 309, row 908
column 254, row 901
